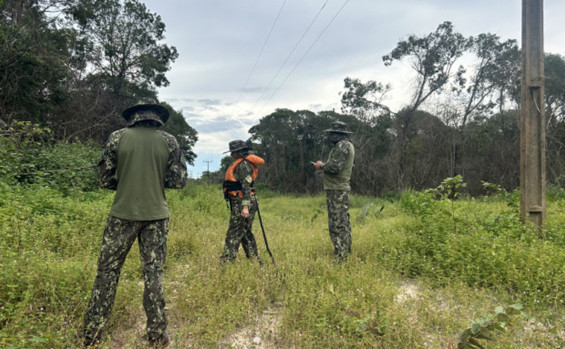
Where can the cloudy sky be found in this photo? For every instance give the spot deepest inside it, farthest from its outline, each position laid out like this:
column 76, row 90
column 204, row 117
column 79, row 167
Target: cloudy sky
column 239, row 60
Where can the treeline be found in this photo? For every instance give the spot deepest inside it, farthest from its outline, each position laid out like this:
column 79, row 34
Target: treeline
column 487, row 149
column 73, row 65
column 462, row 119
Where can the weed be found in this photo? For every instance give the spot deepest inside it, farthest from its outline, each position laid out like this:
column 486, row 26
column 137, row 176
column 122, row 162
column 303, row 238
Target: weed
column 485, row 328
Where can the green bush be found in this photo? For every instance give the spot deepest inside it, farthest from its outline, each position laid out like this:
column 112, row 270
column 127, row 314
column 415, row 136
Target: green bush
column 31, row 156
column 457, row 240
column 19, row 146
column 47, row 240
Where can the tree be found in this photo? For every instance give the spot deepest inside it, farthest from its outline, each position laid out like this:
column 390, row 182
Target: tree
column 492, row 81
column 288, row 141
column 364, row 100
column 554, row 88
column 34, row 56
column 186, row 135
column 281, row 136
column 491, row 151
column 76, row 73
column 555, row 116
column 372, row 137
column 494, row 75
column 125, row 44
column 225, row 163
column 433, row 58
column 118, row 59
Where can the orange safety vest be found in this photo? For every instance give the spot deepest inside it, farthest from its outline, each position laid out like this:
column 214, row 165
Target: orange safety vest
column 232, row 187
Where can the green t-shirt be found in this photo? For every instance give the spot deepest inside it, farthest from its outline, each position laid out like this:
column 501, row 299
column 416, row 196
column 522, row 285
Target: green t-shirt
column 139, row 163
column 142, row 162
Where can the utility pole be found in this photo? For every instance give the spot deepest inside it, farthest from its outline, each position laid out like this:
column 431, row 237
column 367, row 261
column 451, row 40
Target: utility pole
column 532, row 115
column 208, row 165
column 207, row 169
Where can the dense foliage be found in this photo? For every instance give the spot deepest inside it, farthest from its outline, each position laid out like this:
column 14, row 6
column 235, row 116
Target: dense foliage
column 30, row 155
column 73, row 66
column 290, row 140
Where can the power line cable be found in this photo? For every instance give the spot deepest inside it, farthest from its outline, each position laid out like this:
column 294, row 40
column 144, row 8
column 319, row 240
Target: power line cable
column 290, row 54
column 304, row 55
column 260, row 52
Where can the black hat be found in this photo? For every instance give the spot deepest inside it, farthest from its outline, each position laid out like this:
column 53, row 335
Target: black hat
column 146, row 104
column 338, row 127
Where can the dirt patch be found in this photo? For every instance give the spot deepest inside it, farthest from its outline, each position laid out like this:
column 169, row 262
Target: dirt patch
column 133, row 336
column 263, row 334
column 407, row 291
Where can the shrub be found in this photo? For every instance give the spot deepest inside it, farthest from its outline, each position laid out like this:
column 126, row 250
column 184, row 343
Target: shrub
column 31, row 156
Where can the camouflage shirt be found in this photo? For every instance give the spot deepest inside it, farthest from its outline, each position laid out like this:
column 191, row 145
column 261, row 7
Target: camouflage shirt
column 243, row 173
column 139, row 163
column 337, row 170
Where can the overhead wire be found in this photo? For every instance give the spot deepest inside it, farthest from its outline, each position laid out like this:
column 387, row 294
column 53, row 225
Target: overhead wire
column 260, row 52
column 304, row 55
column 290, row 54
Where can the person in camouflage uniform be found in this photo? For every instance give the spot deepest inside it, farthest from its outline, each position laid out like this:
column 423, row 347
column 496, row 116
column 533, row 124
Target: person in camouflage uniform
column 139, row 162
column 238, row 190
column 337, row 173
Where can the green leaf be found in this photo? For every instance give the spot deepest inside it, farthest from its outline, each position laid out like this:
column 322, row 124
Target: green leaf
column 514, row 309
column 463, row 336
column 476, row 343
column 475, row 328
column 485, row 334
column 502, row 317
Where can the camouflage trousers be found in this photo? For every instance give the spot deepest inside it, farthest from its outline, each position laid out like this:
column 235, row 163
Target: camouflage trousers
column 119, row 236
column 240, row 232
column 337, row 202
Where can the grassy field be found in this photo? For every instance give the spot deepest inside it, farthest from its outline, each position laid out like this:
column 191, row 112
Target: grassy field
column 423, row 269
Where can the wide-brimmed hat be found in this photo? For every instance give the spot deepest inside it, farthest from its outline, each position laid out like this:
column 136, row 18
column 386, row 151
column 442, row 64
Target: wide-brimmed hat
column 338, row 127
column 236, row 146
column 132, row 115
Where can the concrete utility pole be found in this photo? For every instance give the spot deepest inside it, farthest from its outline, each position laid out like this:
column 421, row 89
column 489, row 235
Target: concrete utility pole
column 532, row 115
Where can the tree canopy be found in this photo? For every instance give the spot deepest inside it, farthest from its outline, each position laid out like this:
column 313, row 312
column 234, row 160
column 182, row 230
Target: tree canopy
column 74, row 65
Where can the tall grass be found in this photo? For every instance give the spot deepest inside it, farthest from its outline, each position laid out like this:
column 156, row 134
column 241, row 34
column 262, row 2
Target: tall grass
column 422, row 270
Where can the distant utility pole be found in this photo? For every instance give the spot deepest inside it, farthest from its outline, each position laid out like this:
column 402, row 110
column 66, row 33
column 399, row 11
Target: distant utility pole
column 208, row 169
column 532, row 115
column 208, row 165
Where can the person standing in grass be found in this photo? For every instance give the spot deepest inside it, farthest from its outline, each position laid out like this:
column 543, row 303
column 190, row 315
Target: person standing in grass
column 239, row 191
column 139, row 162
column 337, row 173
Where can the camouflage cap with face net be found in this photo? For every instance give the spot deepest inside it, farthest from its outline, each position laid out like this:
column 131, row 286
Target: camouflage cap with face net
column 138, row 113
column 236, row 146
column 338, row 127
